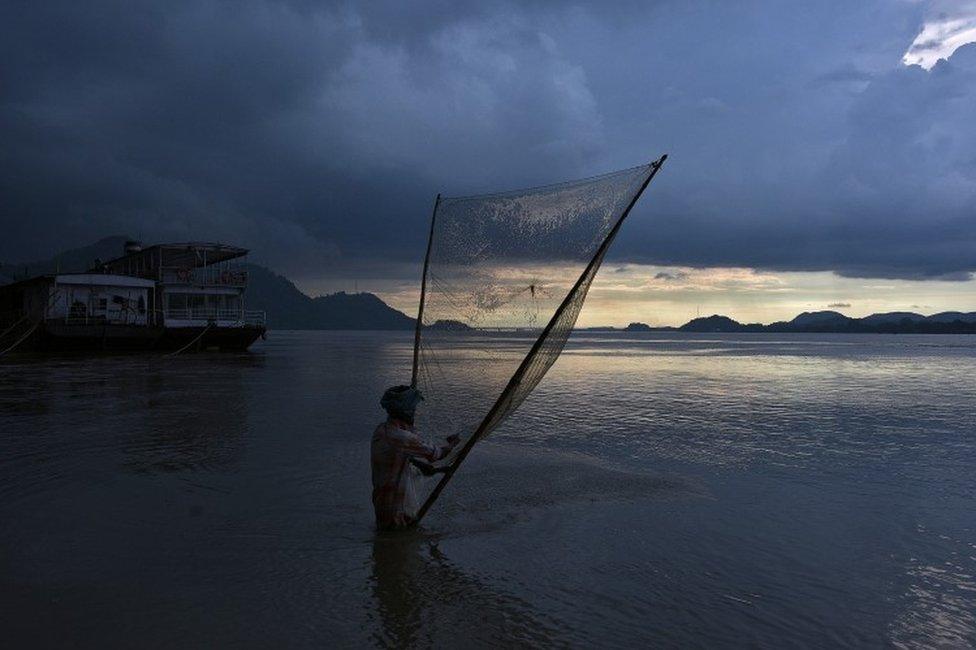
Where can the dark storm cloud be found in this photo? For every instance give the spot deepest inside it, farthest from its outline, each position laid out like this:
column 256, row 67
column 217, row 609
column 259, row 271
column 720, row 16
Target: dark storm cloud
column 318, row 133
column 670, row 276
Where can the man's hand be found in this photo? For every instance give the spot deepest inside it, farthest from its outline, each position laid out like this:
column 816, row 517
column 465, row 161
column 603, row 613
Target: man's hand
column 426, row 468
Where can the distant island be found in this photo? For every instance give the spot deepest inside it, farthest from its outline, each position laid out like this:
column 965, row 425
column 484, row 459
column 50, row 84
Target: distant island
column 638, row 327
column 288, row 308
column 897, row 322
column 449, row 325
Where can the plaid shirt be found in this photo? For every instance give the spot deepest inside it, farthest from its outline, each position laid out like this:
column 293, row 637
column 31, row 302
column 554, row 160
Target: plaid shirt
column 395, row 479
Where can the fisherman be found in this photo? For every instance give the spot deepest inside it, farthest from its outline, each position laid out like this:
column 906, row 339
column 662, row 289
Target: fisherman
column 399, row 456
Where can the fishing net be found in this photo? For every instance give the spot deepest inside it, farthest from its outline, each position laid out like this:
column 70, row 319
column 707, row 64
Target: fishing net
column 500, row 267
column 506, row 278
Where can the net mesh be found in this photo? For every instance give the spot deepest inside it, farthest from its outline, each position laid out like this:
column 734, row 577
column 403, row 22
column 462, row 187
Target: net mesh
column 500, row 267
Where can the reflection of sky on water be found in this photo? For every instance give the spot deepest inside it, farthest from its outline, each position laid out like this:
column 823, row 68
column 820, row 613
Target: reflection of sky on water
column 937, row 606
column 879, row 422
column 656, row 489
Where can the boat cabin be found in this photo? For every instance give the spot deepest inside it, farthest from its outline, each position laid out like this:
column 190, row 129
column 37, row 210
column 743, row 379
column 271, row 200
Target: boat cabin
column 198, row 283
column 80, row 298
column 169, row 297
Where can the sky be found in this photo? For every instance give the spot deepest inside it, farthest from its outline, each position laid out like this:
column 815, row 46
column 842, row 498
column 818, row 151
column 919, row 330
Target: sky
column 821, row 153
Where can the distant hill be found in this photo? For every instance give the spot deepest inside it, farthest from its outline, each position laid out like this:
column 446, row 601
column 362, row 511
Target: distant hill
column 288, row 308
column 953, row 316
column 638, row 327
column 892, row 317
column 831, row 321
column 717, row 323
column 75, row 260
column 355, row 311
column 819, row 319
column 890, row 322
column 948, row 322
column 448, row 325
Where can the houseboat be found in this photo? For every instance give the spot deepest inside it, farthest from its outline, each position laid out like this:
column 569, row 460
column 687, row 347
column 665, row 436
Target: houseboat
column 166, row 297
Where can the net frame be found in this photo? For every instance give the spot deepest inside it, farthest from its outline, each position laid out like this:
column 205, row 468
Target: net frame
column 544, row 351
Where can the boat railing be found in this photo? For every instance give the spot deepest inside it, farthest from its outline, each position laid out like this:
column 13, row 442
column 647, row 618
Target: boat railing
column 80, row 319
column 115, row 318
column 204, row 276
column 243, row 317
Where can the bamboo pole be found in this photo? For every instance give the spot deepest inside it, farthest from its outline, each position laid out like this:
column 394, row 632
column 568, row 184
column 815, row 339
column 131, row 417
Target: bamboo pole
column 423, row 296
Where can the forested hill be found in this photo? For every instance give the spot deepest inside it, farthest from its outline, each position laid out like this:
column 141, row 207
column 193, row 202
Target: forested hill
column 289, row 308
column 75, row 260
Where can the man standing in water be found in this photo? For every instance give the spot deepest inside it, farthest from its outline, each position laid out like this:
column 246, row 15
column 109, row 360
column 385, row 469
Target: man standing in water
column 399, row 455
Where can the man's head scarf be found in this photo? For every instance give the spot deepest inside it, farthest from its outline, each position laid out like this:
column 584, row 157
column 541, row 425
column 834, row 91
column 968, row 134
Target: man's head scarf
column 401, row 400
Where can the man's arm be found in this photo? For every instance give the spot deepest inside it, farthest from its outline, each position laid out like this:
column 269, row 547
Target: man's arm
column 418, row 449
column 426, row 468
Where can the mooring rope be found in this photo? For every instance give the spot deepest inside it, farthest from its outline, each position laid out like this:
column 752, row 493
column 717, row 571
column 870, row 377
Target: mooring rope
column 21, row 339
column 187, row 346
column 31, row 330
column 11, row 328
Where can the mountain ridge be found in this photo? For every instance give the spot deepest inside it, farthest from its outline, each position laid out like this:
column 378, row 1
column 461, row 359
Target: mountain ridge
column 290, row 308
column 834, row 322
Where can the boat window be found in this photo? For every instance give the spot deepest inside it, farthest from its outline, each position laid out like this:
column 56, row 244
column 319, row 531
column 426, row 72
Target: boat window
column 176, row 300
column 142, row 304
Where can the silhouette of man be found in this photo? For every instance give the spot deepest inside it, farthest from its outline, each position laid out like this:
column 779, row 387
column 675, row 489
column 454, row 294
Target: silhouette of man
column 398, row 457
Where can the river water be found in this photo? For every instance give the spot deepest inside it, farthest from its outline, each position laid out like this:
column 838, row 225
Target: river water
column 657, row 489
